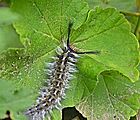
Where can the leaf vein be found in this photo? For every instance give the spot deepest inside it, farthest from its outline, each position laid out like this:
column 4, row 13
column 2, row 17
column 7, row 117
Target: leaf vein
column 40, row 12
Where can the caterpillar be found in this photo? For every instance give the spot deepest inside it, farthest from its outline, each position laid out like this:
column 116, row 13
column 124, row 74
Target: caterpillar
column 59, row 72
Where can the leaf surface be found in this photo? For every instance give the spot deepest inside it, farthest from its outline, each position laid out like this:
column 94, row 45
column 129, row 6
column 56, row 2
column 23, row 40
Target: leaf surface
column 14, row 100
column 8, row 35
column 42, row 28
column 115, row 97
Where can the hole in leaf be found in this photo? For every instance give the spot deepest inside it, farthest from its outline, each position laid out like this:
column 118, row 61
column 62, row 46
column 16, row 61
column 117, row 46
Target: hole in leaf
column 8, row 116
column 70, row 113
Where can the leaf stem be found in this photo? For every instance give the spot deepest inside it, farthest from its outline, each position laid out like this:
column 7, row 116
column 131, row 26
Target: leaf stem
column 137, row 26
column 130, row 13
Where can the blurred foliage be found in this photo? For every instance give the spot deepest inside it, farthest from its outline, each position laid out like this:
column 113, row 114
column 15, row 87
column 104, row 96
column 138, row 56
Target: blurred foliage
column 14, row 100
column 123, row 5
column 8, row 36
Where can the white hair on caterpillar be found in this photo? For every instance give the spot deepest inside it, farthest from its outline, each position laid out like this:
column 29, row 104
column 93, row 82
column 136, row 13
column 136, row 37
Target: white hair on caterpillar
column 59, row 73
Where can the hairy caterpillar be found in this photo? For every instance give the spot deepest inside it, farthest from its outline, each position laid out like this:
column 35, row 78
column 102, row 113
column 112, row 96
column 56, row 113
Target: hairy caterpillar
column 59, row 74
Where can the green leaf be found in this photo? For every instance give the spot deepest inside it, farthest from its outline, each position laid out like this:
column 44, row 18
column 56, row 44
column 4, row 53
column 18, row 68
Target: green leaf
column 43, row 26
column 9, row 38
column 119, row 48
column 115, row 97
column 44, row 22
column 108, row 31
column 85, row 81
column 8, row 35
column 130, row 8
column 14, row 100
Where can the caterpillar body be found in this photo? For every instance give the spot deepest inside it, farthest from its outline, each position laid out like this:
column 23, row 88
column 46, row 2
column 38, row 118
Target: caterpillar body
column 59, row 72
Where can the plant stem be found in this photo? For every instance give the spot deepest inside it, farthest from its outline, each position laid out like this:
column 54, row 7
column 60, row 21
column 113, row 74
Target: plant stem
column 130, row 13
column 137, row 26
